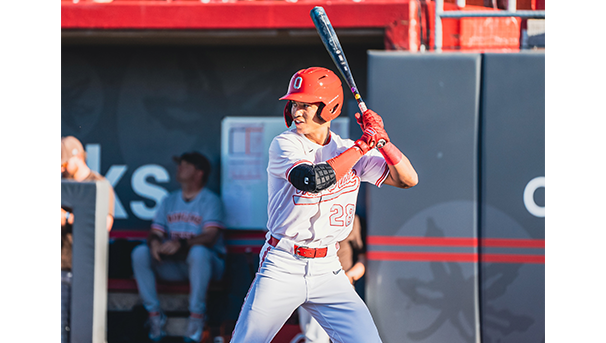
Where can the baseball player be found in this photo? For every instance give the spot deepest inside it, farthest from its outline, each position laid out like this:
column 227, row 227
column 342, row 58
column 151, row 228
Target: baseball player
column 313, row 180
column 185, row 243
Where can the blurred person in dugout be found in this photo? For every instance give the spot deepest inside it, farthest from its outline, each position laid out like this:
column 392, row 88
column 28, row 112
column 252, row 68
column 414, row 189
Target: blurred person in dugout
column 74, row 168
column 352, row 255
column 500, row 4
column 185, row 243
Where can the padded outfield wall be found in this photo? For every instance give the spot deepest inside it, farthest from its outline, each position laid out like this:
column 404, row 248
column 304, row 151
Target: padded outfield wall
column 461, row 256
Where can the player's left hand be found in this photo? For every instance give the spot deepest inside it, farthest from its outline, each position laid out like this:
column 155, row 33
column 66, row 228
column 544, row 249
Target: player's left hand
column 64, row 219
column 169, row 247
column 352, row 280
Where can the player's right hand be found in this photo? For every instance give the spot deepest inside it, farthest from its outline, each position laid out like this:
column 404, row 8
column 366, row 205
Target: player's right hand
column 169, row 247
column 371, row 136
column 64, row 219
column 154, row 249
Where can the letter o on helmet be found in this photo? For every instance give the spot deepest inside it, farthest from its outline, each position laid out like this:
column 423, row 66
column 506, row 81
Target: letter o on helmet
column 313, row 85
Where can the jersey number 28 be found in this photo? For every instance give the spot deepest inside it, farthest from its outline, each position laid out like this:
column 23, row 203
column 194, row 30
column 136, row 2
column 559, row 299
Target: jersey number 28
column 342, row 216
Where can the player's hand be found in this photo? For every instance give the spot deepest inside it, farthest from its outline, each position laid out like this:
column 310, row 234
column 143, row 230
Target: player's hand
column 356, row 271
column 154, row 249
column 69, row 220
column 366, row 142
column 370, row 118
column 359, row 120
column 170, row 247
column 351, row 278
column 370, row 138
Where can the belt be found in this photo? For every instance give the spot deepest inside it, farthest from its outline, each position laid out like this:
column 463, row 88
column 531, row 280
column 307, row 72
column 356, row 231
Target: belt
column 302, row 251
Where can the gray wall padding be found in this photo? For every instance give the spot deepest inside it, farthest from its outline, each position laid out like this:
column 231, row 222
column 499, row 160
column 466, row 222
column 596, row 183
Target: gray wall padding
column 89, row 203
column 474, row 128
column 429, row 104
column 513, row 154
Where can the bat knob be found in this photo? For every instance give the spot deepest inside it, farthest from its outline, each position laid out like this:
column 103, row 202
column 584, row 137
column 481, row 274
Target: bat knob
column 381, row 143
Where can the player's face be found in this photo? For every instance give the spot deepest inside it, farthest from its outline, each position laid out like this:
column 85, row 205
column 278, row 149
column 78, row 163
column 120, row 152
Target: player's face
column 304, row 117
column 187, row 172
column 69, row 169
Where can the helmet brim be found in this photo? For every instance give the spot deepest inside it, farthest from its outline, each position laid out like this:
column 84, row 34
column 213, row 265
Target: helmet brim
column 301, row 97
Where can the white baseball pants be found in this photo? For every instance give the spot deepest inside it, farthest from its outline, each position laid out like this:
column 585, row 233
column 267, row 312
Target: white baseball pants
column 285, row 281
column 311, row 329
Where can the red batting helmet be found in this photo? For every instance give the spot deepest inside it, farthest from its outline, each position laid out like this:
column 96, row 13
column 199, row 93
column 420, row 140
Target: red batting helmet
column 311, row 85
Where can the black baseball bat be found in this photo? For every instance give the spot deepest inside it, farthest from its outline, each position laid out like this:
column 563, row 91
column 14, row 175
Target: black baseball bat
column 333, row 46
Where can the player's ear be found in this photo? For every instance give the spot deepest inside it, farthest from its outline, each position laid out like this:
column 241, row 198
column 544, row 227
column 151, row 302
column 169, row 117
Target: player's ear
column 319, row 113
column 200, row 175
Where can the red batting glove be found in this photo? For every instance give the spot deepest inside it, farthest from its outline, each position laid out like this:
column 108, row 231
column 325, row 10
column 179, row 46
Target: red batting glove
column 359, row 120
column 381, row 134
column 367, row 141
column 371, row 137
column 370, row 118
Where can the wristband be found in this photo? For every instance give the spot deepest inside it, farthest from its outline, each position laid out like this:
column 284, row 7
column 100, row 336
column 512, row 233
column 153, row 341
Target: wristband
column 67, row 215
column 391, row 153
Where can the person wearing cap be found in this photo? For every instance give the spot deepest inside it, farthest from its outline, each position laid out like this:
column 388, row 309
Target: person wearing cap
column 185, row 243
column 74, row 167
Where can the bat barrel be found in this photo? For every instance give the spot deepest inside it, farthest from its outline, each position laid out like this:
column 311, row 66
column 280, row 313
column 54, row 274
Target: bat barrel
column 333, row 46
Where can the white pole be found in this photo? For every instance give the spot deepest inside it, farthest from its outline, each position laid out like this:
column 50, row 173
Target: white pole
column 438, row 25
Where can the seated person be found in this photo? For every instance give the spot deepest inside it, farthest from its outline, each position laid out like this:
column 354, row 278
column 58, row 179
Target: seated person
column 185, row 243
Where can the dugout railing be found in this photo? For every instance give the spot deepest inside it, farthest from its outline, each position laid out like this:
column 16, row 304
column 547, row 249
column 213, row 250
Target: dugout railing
column 510, row 12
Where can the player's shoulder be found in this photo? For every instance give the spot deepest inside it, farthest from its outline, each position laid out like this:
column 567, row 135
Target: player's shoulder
column 209, row 199
column 340, row 141
column 94, row 176
column 288, row 135
column 288, row 138
column 172, row 195
column 209, row 194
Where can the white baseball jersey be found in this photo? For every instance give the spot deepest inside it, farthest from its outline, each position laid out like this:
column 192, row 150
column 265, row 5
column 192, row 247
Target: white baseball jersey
column 284, row 280
column 315, row 219
column 178, row 218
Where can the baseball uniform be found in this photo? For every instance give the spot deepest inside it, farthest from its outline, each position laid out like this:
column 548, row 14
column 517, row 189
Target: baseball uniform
column 177, row 218
column 304, row 223
column 352, row 246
